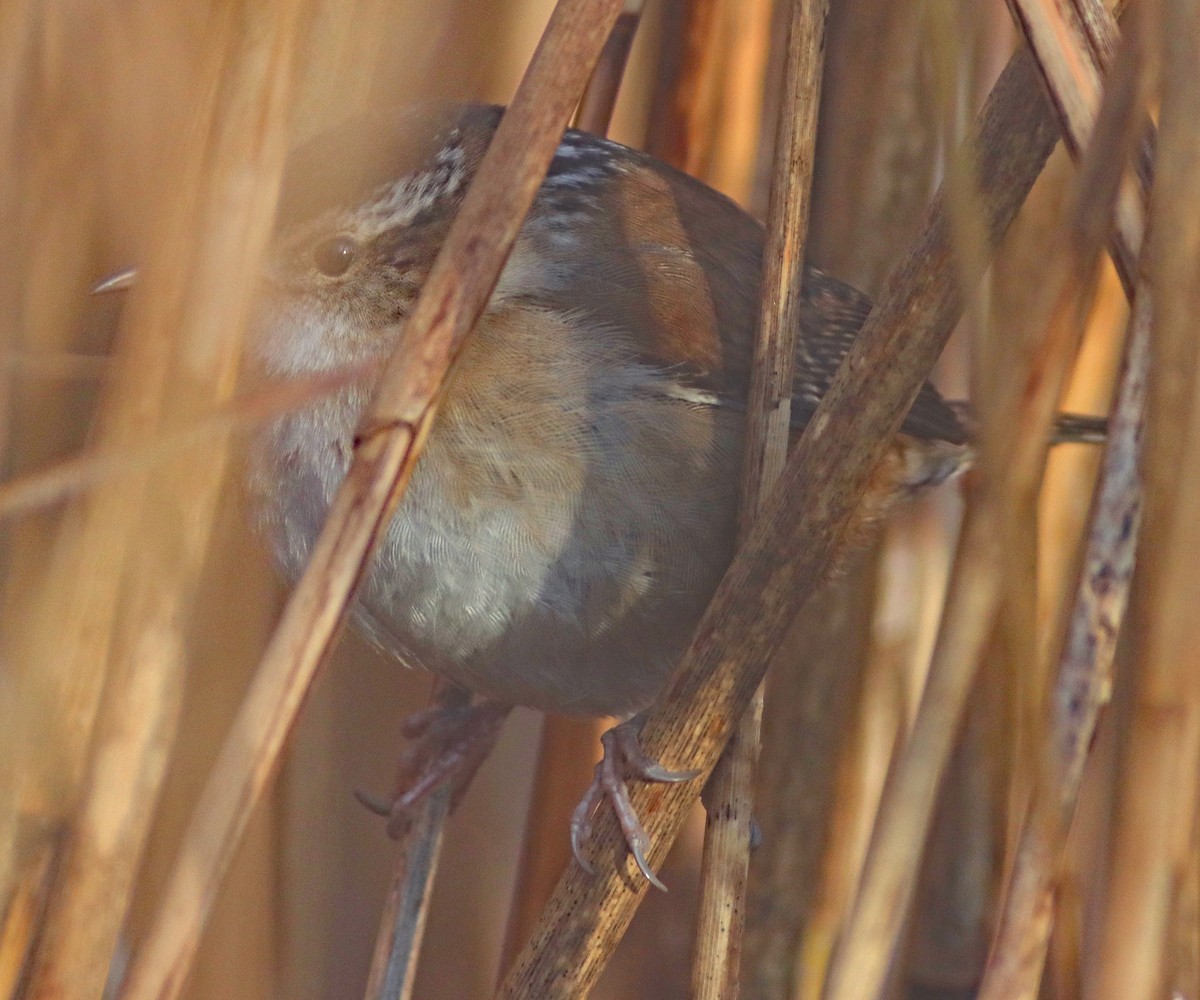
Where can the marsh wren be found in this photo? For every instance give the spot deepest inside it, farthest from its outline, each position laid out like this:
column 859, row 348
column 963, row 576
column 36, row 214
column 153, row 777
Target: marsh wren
column 574, row 506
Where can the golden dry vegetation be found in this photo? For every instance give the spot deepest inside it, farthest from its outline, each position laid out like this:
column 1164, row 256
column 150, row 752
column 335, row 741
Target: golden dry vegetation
column 978, row 767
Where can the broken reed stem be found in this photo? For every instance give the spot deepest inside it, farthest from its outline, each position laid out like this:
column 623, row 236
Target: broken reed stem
column 389, row 443
column 730, row 799
column 1158, row 784
column 1083, row 678
column 768, row 414
column 1012, row 450
column 393, row 972
column 789, row 550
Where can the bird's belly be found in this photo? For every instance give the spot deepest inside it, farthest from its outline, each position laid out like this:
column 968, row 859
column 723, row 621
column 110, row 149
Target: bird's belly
column 562, row 602
column 568, row 585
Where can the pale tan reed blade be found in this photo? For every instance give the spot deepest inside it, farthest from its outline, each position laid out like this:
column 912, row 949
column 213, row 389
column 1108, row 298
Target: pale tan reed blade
column 791, row 547
column 139, row 713
column 1082, row 687
column 108, row 554
column 390, row 440
column 1083, row 679
column 1157, row 800
column 729, row 797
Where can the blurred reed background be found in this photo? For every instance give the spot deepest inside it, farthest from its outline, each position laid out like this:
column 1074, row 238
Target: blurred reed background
column 136, row 604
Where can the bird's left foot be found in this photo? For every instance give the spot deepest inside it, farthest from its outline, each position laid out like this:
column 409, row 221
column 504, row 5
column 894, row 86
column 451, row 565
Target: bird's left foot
column 446, row 746
column 623, row 758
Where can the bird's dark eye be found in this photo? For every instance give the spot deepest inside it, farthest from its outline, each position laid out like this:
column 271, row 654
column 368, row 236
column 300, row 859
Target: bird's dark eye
column 334, row 256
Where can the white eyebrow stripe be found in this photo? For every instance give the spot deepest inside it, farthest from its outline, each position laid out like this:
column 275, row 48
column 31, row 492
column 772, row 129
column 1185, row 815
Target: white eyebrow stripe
column 400, row 202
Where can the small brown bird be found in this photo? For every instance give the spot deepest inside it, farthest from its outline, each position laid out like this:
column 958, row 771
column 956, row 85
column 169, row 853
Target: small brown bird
column 574, row 507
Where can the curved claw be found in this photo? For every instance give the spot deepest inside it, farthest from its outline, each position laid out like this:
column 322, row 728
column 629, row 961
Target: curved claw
column 639, row 856
column 577, row 838
column 623, row 757
column 449, row 744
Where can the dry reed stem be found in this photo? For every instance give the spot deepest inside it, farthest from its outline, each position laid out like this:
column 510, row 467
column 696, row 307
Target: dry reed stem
column 768, row 414
column 741, row 84
column 1012, row 455
column 1184, row 969
column 46, row 207
column 861, row 963
column 21, row 877
column 705, row 117
column 687, row 109
column 60, row 623
column 24, row 914
column 567, row 753
column 246, row 137
column 389, row 443
column 816, row 778
column 725, row 861
column 790, row 548
column 1157, row 800
column 1082, row 686
column 1083, row 677
column 402, row 927
column 596, row 109
column 567, row 747
column 1072, row 62
column 729, row 799
column 813, row 697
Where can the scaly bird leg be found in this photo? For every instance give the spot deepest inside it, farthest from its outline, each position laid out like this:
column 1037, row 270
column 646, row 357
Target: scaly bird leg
column 623, row 758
